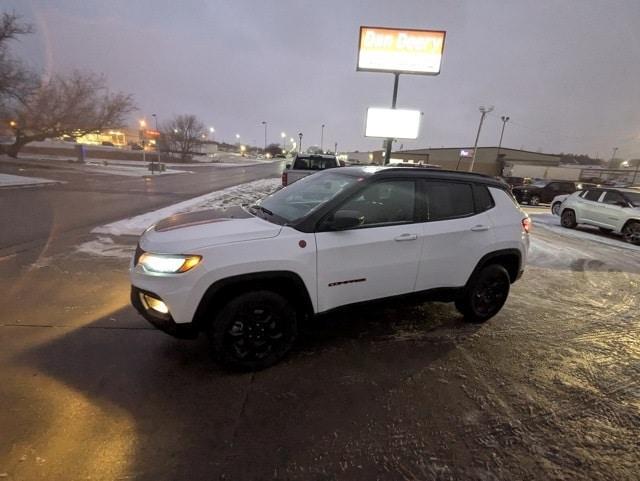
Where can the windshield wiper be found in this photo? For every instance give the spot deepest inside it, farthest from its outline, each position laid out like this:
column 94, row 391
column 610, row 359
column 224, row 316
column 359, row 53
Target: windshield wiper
column 262, row 209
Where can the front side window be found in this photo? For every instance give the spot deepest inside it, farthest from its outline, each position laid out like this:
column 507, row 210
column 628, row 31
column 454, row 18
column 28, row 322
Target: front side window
column 313, row 162
column 449, row 200
column 385, row 202
column 634, row 198
column 593, row 195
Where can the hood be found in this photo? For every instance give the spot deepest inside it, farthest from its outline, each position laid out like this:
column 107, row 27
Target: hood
column 185, row 233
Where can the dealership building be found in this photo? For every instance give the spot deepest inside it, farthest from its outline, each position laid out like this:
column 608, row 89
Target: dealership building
column 459, row 158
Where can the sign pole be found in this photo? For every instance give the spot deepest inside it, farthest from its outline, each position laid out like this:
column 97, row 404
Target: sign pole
column 387, row 155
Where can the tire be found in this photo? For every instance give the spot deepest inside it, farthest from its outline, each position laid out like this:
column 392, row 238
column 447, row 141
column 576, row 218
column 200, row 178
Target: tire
column 485, row 294
column 631, row 232
column 568, row 219
column 253, row 331
column 534, row 200
column 555, row 208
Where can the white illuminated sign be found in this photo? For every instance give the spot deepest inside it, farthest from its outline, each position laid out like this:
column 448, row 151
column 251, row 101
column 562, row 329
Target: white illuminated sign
column 392, row 123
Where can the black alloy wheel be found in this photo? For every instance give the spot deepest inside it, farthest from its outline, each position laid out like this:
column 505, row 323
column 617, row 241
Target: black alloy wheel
column 254, row 331
column 486, row 294
column 631, row 233
column 568, row 219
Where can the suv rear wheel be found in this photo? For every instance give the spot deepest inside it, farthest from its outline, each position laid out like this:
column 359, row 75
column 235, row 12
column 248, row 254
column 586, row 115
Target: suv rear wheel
column 485, row 294
column 253, row 331
column 631, row 232
column 568, row 219
column 534, row 200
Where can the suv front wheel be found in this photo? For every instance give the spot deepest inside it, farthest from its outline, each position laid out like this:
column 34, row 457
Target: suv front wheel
column 485, row 294
column 568, row 219
column 631, row 232
column 253, row 331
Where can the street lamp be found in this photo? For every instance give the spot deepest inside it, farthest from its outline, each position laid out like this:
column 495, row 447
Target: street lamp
column 143, row 124
column 322, row 139
column 265, row 136
column 237, row 137
column 484, row 111
column 282, row 136
column 13, row 124
column 613, row 155
column 504, row 119
column 300, row 144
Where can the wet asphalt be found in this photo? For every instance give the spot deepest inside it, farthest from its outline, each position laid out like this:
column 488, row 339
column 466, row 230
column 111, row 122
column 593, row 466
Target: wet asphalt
column 548, row 389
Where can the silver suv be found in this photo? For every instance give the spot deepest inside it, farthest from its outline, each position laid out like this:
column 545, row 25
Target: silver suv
column 612, row 210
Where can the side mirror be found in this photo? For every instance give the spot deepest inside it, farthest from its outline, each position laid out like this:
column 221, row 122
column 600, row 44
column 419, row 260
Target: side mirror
column 344, row 219
column 288, row 166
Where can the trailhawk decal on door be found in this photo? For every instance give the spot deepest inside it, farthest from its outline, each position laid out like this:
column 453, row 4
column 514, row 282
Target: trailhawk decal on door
column 339, row 283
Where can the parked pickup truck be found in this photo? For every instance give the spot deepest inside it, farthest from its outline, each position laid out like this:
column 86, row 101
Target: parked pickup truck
column 307, row 164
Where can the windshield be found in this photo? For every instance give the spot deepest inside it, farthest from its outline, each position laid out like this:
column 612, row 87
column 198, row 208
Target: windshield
column 634, row 197
column 303, row 197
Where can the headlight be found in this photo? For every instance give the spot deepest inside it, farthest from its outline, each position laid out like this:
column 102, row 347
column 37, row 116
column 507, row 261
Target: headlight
column 167, row 263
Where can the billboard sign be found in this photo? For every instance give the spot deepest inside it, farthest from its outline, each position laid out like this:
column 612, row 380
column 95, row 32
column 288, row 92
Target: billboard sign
column 466, row 153
column 392, row 123
column 383, row 49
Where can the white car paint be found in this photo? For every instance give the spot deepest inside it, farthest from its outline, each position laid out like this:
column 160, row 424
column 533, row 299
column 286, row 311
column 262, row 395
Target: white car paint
column 599, row 213
column 337, row 268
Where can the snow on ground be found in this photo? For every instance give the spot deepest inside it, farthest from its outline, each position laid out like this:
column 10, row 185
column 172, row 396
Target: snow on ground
column 8, row 180
column 104, row 245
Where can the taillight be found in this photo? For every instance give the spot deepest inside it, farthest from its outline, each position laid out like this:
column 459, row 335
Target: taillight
column 526, row 225
column 284, row 179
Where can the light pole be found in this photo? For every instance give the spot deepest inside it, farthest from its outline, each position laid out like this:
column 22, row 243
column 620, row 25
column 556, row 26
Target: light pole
column 300, row 144
column 613, row 156
column 155, row 122
column 504, row 119
column 265, row 136
column 211, row 132
column 484, row 111
column 335, row 148
column 322, row 139
column 283, row 136
column 143, row 124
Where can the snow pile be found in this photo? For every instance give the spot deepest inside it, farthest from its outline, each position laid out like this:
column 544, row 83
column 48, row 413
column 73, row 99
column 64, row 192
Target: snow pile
column 7, row 180
column 128, row 171
column 237, row 195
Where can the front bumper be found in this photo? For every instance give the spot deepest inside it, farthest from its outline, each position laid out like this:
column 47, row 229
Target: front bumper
column 164, row 322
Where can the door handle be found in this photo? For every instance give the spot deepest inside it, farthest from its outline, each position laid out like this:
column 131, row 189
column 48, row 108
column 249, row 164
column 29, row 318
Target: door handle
column 480, row 228
column 406, row 237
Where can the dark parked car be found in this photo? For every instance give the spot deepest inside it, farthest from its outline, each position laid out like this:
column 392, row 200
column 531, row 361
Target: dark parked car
column 542, row 191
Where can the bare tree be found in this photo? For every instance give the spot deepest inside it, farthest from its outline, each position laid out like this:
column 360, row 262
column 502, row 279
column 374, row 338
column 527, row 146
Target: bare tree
column 183, row 133
column 16, row 81
column 72, row 105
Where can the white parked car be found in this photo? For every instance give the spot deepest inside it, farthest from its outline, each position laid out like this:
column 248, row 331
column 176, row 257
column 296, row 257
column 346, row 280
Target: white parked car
column 612, row 210
column 248, row 277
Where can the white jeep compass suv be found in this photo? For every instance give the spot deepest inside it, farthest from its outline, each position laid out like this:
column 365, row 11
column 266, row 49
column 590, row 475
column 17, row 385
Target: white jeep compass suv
column 247, row 277
column 612, row 210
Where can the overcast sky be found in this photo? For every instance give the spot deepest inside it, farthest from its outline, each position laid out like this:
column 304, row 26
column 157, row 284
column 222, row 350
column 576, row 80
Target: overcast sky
column 567, row 72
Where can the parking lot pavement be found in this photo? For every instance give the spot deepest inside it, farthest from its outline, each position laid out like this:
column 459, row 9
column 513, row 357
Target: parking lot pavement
column 548, row 389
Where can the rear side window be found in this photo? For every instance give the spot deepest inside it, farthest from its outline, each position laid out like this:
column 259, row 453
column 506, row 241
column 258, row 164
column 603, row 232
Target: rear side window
column 593, row 195
column 448, row 200
column 483, row 198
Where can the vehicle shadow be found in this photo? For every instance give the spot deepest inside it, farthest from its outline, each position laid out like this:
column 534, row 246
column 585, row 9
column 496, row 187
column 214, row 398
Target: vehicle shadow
column 184, row 417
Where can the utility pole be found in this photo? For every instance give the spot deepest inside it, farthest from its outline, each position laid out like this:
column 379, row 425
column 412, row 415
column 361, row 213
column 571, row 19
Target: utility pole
column 300, row 144
column 155, row 121
column 484, row 111
column 387, row 155
column 504, row 123
column 322, row 139
column 265, row 136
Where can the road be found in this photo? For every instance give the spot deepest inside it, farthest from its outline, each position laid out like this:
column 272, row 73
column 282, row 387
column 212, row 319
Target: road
column 548, row 389
column 43, row 213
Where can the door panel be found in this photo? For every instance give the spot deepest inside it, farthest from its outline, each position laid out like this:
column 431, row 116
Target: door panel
column 364, row 264
column 379, row 258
